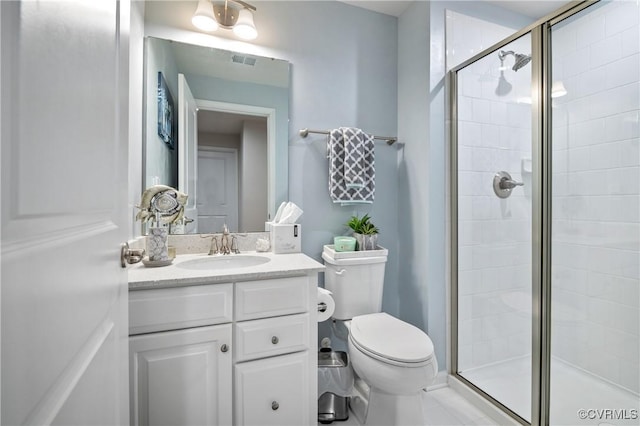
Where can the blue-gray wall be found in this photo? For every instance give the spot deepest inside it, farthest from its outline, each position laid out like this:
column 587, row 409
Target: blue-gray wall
column 160, row 160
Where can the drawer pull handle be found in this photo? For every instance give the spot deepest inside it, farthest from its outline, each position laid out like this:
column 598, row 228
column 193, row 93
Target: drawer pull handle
column 275, row 405
column 275, row 340
column 224, row 348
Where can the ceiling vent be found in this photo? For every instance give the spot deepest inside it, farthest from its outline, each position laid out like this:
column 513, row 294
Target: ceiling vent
column 241, row 59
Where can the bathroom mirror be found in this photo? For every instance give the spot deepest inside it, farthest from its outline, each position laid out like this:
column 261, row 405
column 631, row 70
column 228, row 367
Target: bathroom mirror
column 217, row 129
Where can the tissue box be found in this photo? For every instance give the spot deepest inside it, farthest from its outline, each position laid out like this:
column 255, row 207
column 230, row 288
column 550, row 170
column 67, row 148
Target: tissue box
column 286, row 238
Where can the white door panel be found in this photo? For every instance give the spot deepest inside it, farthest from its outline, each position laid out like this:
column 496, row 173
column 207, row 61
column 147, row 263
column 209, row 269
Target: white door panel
column 188, row 151
column 64, row 185
column 218, row 183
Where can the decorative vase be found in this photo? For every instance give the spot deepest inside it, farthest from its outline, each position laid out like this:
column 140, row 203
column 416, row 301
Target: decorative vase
column 366, row 241
column 157, row 247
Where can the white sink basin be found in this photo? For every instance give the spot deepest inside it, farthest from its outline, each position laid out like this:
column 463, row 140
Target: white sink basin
column 223, row 262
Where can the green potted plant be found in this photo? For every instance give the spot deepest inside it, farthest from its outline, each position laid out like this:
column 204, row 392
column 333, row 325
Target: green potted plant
column 365, row 232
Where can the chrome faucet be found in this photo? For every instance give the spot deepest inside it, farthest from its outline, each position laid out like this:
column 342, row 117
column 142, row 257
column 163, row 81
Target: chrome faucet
column 224, row 240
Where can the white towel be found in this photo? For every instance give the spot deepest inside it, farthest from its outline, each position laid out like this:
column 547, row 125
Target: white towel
column 338, row 189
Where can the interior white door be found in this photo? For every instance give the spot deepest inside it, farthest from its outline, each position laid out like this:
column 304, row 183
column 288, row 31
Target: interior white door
column 218, row 183
column 64, row 74
column 188, row 150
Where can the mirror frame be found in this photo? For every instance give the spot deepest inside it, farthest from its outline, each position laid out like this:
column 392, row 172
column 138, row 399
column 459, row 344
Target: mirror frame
column 270, row 115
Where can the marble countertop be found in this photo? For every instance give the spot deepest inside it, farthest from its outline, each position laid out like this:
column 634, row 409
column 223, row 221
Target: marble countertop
column 279, row 265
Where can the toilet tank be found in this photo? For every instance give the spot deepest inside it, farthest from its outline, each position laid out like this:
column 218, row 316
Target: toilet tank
column 356, row 280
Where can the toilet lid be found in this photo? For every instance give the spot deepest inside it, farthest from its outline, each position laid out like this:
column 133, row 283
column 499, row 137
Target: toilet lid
column 389, row 338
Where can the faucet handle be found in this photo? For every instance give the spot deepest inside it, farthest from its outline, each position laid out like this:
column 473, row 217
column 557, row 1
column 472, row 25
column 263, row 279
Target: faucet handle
column 225, row 229
column 234, row 245
column 214, row 246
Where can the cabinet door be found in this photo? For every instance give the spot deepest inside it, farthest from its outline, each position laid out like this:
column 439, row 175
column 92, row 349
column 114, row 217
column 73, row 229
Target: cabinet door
column 273, row 391
column 181, row 377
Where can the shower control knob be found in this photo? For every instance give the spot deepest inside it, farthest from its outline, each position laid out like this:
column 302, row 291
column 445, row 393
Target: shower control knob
column 224, row 348
column 275, row 340
column 503, row 184
column 509, row 183
column 275, row 405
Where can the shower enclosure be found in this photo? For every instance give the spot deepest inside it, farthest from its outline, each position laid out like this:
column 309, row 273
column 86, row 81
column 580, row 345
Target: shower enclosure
column 545, row 208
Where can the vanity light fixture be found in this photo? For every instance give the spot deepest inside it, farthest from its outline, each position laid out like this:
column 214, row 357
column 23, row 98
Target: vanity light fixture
column 232, row 14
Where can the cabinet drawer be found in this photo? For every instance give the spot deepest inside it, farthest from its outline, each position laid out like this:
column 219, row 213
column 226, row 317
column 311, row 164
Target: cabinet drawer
column 176, row 308
column 272, row 336
column 273, row 391
column 270, row 298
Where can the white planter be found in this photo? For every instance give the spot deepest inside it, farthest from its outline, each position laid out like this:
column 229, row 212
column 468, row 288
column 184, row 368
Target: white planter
column 366, row 242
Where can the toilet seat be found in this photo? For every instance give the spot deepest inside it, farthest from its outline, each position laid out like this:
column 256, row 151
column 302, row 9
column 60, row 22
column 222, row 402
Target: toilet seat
column 391, row 340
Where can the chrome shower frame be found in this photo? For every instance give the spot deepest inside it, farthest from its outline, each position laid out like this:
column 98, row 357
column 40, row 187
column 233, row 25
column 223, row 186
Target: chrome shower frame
column 541, row 213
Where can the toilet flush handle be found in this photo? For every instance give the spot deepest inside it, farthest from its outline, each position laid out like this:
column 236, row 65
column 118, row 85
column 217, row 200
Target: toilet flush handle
column 341, row 271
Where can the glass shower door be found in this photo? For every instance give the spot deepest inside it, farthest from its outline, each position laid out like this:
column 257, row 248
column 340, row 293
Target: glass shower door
column 494, row 207
column 595, row 241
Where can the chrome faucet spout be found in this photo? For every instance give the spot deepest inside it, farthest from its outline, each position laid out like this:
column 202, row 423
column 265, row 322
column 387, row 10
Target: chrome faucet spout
column 224, row 240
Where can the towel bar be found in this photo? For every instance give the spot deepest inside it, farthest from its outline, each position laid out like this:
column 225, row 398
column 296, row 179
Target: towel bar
column 389, row 139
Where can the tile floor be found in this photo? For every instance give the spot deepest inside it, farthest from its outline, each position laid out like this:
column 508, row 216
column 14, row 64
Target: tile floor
column 443, row 407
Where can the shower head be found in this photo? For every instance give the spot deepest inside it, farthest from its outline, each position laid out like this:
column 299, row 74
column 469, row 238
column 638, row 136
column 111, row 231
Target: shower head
column 520, row 59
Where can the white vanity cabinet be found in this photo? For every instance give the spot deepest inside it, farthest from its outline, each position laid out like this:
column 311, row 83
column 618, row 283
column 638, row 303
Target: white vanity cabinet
column 272, row 369
column 181, row 377
column 181, row 367
column 235, row 353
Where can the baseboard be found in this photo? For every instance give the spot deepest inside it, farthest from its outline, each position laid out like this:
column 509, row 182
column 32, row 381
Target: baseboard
column 441, row 381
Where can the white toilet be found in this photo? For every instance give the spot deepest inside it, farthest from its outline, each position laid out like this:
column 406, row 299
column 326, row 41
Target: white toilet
column 395, row 359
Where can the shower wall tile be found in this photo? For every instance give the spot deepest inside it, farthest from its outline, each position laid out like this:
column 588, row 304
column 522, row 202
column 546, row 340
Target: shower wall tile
column 591, row 82
column 605, row 51
column 624, row 15
column 631, row 41
column 613, row 288
column 622, row 72
column 574, row 62
column 590, row 31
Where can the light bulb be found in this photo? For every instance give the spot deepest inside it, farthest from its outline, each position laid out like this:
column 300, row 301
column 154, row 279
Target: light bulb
column 244, row 27
column 203, row 17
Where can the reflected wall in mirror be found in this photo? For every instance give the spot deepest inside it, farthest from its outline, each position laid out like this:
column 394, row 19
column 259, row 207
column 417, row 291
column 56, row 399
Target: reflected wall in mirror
column 231, row 155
